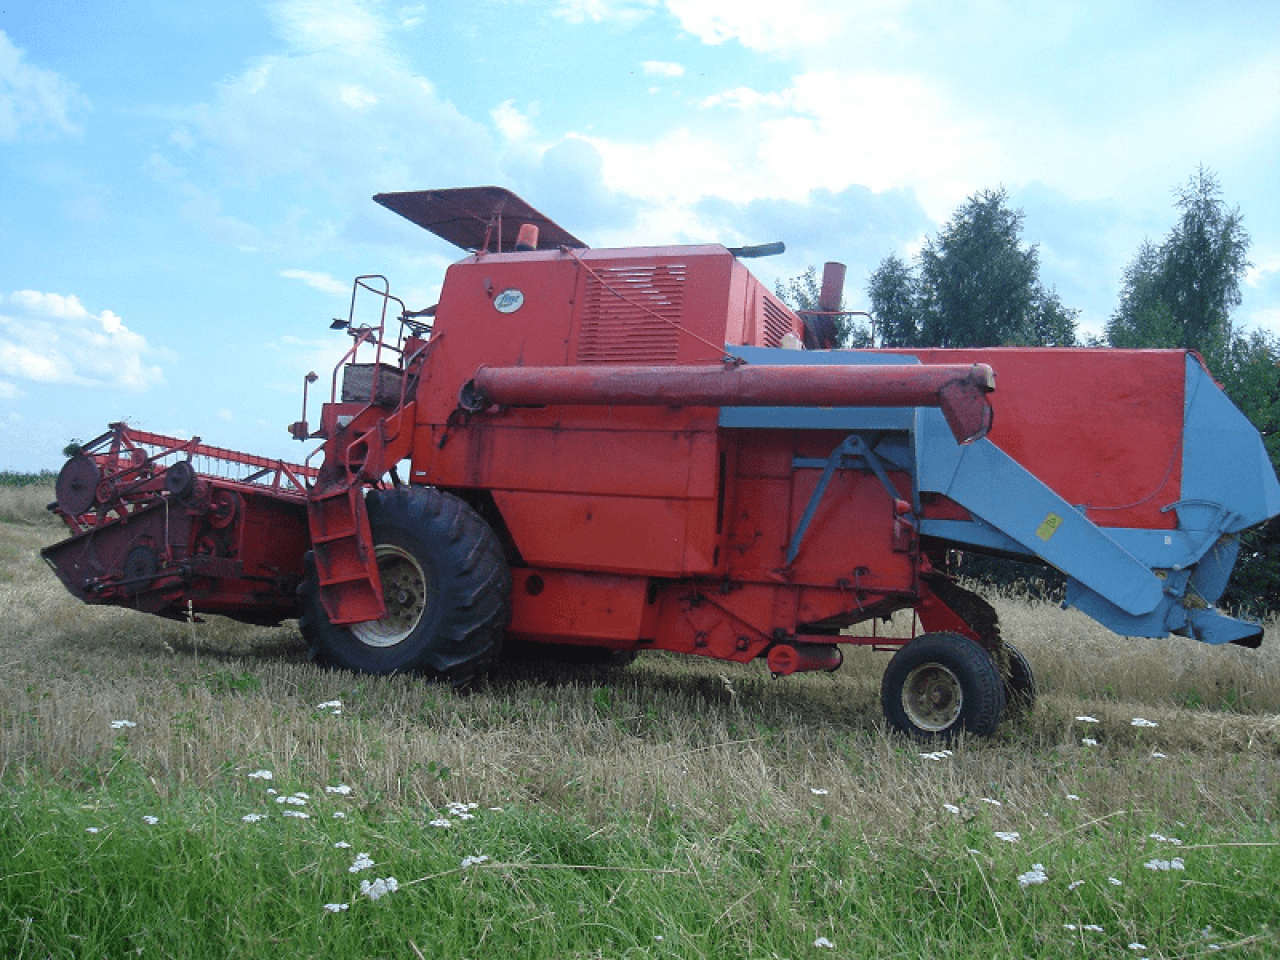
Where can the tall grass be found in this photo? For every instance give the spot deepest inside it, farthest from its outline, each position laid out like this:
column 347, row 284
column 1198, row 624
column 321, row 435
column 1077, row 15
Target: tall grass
column 701, row 802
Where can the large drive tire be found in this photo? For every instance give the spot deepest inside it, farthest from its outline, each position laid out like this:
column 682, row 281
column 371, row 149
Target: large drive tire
column 939, row 684
column 446, row 585
column 1019, row 684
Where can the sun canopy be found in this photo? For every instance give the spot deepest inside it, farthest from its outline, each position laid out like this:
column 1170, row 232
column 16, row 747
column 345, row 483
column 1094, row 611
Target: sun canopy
column 477, row 218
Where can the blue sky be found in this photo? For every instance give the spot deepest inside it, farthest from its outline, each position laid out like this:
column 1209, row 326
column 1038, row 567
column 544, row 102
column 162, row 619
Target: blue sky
column 185, row 188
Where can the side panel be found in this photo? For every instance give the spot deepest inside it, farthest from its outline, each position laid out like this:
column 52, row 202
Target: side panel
column 560, row 607
column 650, row 536
column 1102, row 428
column 854, row 541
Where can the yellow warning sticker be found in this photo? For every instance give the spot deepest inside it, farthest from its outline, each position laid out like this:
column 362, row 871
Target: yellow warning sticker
column 1049, row 527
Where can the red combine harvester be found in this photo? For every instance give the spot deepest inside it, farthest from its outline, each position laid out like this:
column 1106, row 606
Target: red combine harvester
column 613, row 451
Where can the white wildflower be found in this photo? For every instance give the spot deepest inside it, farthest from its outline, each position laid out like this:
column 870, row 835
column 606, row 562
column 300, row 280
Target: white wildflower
column 1092, row 928
column 994, row 803
column 362, row 862
column 1089, row 741
column 272, row 791
column 1161, row 838
column 474, row 861
column 440, row 822
column 1139, row 722
column 342, row 789
column 1114, row 882
column 150, row 820
column 462, row 811
column 337, row 907
column 261, row 775
column 950, row 808
column 1087, row 719
column 1074, row 885
column 339, row 815
column 1008, row 836
column 342, row 845
column 1033, row 876
column 1072, row 796
column 1157, row 755
column 253, row 817
column 379, row 888
column 818, row 791
column 1137, row 946
column 92, row 830
column 824, row 942
column 122, row 724
column 297, row 800
column 1174, row 864
column 937, row 755
column 1069, row 926
column 329, row 705
column 298, row 814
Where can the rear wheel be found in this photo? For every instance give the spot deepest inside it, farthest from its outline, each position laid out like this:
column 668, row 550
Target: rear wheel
column 939, row 684
column 445, row 583
column 1019, row 683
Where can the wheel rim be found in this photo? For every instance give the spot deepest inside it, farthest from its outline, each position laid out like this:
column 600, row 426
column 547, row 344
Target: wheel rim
column 932, row 697
column 404, row 591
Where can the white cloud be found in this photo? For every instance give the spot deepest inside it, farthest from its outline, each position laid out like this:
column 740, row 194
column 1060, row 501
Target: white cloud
column 52, row 338
column 9, row 391
column 1262, row 271
column 349, row 122
column 356, row 97
column 743, row 98
column 32, row 99
column 202, row 208
column 311, row 26
column 812, row 135
column 511, row 123
column 318, row 281
column 598, row 11
column 661, row 68
column 762, row 24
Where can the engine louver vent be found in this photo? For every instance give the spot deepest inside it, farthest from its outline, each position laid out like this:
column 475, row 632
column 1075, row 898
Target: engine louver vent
column 632, row 315
column 776, row 322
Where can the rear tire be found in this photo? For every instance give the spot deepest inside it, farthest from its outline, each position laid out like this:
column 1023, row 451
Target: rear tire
column 446, row 585
column 1020, row 685
column 940, row 684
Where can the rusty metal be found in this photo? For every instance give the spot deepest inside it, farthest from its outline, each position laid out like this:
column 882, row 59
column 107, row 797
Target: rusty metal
column 959, row 389
column 832, row 293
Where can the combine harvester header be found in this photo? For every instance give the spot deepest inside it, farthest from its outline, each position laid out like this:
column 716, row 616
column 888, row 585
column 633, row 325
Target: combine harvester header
column 602, row 452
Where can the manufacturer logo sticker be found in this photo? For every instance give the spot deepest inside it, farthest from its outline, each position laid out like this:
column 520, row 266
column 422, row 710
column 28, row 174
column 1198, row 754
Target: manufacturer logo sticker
column 509, row 300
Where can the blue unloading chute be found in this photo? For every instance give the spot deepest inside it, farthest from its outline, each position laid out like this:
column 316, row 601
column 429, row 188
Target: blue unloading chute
column 1135, row 581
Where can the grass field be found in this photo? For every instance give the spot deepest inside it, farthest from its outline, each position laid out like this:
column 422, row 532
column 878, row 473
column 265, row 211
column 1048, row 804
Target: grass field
column 676, row 808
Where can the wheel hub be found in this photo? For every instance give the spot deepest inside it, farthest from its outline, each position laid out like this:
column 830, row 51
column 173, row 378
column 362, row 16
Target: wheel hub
column 404, row 589
column 932, row 697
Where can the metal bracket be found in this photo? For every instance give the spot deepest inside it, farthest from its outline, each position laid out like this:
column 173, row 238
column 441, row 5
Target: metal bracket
column 852, row 449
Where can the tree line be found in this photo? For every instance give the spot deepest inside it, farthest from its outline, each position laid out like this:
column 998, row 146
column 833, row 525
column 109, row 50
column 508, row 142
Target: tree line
column 977, row 284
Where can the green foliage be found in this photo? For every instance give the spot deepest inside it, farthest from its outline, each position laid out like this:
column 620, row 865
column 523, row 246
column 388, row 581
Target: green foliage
column 1182, row 293
column 894, row 293
column 10, row 478
column 975, row 285
column 192, row 879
